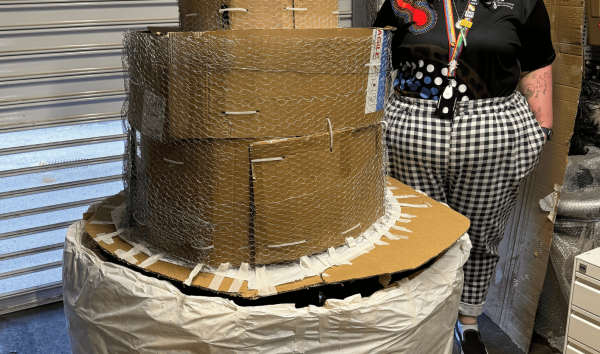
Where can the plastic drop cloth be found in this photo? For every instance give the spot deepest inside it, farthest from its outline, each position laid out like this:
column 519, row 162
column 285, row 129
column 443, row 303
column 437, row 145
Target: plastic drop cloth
column 576, row 231
column 113, row 309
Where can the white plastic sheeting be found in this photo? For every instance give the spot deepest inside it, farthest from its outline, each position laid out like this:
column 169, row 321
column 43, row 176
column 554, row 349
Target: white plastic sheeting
column 113, row 309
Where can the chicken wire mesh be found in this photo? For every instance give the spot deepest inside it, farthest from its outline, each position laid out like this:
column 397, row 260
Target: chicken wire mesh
column 576, row 231
column 213, row 15
column 256, row 146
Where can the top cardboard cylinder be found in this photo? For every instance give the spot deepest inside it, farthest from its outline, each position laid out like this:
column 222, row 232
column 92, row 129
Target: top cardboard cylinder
column 213, row 15
column 256, row 83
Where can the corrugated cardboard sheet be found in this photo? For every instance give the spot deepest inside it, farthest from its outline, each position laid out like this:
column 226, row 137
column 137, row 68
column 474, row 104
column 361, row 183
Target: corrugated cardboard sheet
column 225, row 84
column 205, row 15
column 269, row 203
column 515, row 291
column 434, row 230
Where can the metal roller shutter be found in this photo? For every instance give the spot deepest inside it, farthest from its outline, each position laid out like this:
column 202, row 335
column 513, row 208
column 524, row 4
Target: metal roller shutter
column 61, row 138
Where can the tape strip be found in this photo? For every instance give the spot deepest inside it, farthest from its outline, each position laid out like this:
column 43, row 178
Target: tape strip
column 230, row 113
column 269, row 159
column 192, row 14
column 336, row 257
column 108, row 238
column 239, row 278
column 129, row 255
column 406, row 221
column 400, row 228
column 171, row 161
column 411, row 205
column 380, row 243
column 405, row 196
column 394, row 237
column 307, row 264
column 233, row 9
column 219, row 276
column 351, row 242
column 353, row 228
column 330, row 135
column 402, row 215
column 300, row 332
column 326, row 262
column 324, row 335
column 412, row 308
column 264, row 283
column 98, row 222
column 193, row 274
column 151, row 260
column 392, row 188
column 286, row 244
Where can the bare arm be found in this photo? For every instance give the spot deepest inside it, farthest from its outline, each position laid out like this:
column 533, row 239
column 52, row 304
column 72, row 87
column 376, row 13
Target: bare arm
column 537, row 88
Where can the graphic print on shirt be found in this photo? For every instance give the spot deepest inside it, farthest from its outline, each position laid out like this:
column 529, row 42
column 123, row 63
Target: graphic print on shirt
column 418, row 12
column 423, row 75
column 502, row 3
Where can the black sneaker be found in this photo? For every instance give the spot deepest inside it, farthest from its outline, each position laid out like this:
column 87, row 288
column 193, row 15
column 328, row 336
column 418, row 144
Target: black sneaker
column 471, row 343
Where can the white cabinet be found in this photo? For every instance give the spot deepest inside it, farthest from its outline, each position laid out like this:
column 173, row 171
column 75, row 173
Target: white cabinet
column 583, row 326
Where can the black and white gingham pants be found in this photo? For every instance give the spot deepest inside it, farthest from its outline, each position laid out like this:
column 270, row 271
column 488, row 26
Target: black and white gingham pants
column 473, row 162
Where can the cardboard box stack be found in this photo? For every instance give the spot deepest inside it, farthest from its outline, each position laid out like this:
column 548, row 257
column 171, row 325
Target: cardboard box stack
column 255, row 145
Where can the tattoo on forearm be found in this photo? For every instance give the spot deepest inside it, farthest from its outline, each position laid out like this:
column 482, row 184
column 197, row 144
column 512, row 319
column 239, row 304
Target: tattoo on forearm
column 536, row 86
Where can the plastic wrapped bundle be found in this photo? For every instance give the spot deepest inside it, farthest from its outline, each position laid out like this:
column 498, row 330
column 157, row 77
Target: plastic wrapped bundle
column 148, row 315
column 576, row 231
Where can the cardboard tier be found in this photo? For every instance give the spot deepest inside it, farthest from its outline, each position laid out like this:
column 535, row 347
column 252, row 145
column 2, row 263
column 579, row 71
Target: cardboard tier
column 434, row 230
column 213, row 15
column 258, row 201
column 236, row 84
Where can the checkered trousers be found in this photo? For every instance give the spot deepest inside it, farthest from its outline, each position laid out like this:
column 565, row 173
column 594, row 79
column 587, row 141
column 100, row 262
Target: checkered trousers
column 473, row 162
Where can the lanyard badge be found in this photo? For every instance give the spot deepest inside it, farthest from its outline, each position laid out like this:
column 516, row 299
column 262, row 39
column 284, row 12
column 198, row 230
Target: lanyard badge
column 456, row 41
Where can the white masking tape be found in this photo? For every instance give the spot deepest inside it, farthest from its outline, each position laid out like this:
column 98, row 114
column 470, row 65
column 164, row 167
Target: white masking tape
column 264, row 283
column 324, row 329
column 411, row 205
column 193, row 274
column 330, row 135
column 233, row 9
column 373, row 64
column 171, row 161
column 406, row 221
column 269, row 159
column 300, row 332
column 107, row 238
column 392, row 188
column 192, row 14
column 129, row 255
column 231, row 113
column 336, row 258
column 400, row 228
column 395, row 237
column 345, row 232
column 307, row 264
column 335, row 12
column 381, row 243
column 219, row 276
column 402, row 215
column 286, row 244
column 203, row 248
column 239, row 278
column 412, row 308
column 151, row 260
column 351, row 242
column 405, row 196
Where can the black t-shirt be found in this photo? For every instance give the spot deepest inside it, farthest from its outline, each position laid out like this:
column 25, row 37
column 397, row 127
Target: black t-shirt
column 505, row 39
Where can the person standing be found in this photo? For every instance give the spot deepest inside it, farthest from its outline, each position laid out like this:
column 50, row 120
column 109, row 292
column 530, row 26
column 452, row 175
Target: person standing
column 471, row 112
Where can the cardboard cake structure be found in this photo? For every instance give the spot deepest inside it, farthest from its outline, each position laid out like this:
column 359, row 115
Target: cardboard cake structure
column 256, row 154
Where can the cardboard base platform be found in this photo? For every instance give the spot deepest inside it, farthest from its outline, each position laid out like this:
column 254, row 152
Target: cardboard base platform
column 115, row 309
column 432, row 229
